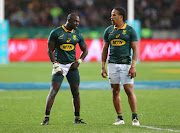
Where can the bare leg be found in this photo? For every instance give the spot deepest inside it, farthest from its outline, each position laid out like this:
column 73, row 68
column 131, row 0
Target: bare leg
column 76, row 97
column 116, row 97
column 131, row 97
column 52, row 93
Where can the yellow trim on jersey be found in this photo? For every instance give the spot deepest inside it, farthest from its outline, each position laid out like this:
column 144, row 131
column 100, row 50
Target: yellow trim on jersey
column 66, row 30
column 124, row 27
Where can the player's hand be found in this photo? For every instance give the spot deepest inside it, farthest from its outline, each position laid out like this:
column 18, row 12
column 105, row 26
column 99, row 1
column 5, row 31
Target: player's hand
column 132, row 72
column 57, row 69
column 104, row 73
column 75, row 65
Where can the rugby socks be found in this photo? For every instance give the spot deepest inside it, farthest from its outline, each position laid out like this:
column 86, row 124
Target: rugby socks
column 134, row 115
column 76, row 115
column 120, row 116
column 47, row 114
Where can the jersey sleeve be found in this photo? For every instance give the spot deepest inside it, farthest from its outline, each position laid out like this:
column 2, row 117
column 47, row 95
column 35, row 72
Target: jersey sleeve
column 106, row 34
column 52, row 36
column 82, row 41
column 133, row 35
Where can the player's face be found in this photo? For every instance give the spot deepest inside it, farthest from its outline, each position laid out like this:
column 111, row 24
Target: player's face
column 115, row 17
column 74, row 22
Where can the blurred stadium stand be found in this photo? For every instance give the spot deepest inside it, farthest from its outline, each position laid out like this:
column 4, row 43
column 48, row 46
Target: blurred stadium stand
column 36, row 18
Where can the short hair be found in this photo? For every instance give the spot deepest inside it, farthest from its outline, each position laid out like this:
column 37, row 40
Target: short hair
column 122, row 12
column 71, row 15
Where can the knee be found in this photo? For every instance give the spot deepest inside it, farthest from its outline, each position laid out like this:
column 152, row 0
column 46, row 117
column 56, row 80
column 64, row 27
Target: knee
column 115, row 92
column 75, row 94
column 130, row 93
column 52, row 93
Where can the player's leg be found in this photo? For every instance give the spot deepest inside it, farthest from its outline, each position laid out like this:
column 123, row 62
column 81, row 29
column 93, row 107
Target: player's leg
column 74, row 80
column 117, row 103
column 132, row 102
column 127, row 82
column 114, row 79
column 55, row 85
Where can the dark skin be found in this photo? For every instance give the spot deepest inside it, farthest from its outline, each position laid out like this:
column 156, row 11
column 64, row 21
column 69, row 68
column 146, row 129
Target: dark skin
column 71, row 23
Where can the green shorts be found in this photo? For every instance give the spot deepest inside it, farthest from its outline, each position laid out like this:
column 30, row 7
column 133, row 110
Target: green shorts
column 72, row 76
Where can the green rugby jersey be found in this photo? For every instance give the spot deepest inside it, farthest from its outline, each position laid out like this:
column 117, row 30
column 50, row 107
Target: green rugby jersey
column 65, row 44
column 120, row 43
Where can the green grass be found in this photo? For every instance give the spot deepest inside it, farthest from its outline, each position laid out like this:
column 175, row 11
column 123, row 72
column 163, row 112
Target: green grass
column 41, row 72
column 23, row 111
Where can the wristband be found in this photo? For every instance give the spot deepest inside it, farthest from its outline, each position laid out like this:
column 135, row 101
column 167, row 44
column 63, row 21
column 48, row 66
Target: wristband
column 133, row 64
column 79, row 61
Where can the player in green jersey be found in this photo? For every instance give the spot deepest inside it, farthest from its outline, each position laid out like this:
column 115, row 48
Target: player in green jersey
column 62, row 41
column 121, row 37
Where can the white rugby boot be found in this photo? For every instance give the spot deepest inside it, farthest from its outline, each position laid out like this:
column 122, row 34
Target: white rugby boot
column 119, row 122
column 135, row 122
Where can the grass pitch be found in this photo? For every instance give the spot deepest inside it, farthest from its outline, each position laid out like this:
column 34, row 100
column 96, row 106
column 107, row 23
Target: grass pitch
column 41, row 72
column 23, row 111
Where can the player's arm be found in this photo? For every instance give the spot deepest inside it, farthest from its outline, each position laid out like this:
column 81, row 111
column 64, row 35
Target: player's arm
column 84, row 51
column 83, row 55
column 103, row 59
column 51, row 48
column 134, row 46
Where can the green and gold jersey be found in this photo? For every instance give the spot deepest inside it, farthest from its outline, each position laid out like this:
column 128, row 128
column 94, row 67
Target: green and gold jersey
column 120, row 43
column 65, row 44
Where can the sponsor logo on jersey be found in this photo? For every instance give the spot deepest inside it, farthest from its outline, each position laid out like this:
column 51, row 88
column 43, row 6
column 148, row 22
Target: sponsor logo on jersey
column 111, row 32
column 124, row 60
column 61, row 36
column 117, row 35
column 74, row 37
column 67, row 47
column 124, row 32
column 117, row 42
column 68, row 40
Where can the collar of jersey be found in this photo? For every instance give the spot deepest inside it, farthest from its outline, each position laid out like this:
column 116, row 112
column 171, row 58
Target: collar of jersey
column 66, row 30
column 124, row 27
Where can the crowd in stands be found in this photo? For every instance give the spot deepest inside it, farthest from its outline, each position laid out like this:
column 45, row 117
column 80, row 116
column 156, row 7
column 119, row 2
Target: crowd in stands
column 154, row 14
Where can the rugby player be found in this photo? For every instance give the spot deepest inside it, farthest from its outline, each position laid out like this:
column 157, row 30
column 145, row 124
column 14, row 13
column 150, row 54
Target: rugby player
column 62, row 41
column 121, row 37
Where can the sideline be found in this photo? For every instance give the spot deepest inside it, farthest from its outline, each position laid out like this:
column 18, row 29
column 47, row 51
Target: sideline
column 150, row 127
column 92, row 85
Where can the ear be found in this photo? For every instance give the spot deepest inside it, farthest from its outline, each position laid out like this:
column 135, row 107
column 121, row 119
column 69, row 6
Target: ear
column 121, row 17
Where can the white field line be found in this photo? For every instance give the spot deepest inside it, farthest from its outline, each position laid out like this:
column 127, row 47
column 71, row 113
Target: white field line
column 150, row 127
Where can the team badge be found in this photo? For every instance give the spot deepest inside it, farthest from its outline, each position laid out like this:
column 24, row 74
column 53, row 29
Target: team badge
column 124, row 32
column 61, row 36
column 117, row 35
column 74, row 37
column 68, row 40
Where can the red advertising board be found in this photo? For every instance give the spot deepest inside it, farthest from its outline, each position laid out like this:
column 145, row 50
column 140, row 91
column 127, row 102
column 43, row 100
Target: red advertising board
column 149, row 50
column 36, row 50
column 159, row 50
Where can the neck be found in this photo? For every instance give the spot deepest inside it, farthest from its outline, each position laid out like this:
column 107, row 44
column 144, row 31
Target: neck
column 120, row 25
column 67, row 27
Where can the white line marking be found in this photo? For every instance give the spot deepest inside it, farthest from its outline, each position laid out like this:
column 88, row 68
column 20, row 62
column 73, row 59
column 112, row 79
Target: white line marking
column 150, row 127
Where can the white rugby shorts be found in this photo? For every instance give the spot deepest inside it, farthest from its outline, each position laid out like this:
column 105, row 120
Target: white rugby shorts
column 65, row 68
column 118, row 73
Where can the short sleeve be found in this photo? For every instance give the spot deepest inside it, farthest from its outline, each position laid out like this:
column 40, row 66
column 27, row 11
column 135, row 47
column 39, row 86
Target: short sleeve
column 52, row 36
column 106, row 34
column 82, row 41
column 133, row 35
